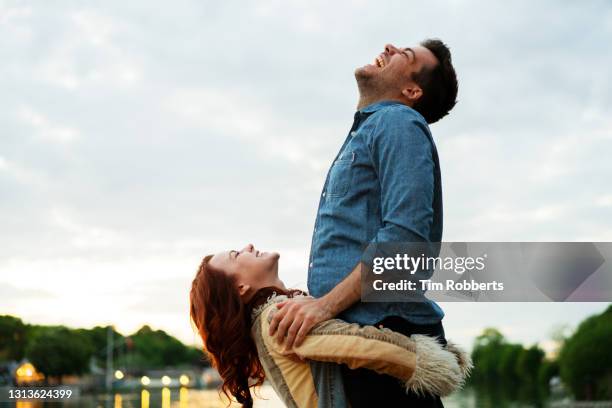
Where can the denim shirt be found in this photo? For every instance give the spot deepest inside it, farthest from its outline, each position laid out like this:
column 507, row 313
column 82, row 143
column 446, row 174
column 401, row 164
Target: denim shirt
column 383, row 186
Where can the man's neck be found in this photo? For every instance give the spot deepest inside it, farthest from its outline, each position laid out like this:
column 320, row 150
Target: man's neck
column 366, row 100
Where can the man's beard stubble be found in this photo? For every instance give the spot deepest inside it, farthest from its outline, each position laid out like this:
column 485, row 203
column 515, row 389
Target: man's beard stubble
column 367, row 84
column 372, row 88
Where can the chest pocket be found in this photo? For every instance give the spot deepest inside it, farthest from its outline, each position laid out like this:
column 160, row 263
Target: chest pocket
column 340, row 175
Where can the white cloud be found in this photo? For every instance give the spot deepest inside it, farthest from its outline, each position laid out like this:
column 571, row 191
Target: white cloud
column 24, row 175
column 45, row 130
column 239, row 116
column 85, row 236
column 605, row 201
column 83, row 51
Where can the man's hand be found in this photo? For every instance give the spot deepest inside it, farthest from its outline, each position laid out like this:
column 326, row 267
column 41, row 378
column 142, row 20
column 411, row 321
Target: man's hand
column 296, row 317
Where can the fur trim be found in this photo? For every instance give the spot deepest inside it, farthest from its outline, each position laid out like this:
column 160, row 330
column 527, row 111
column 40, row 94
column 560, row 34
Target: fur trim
column 439, row 371
column 273, row 298
column 463, row 358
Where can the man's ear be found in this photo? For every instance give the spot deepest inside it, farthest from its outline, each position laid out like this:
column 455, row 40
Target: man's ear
column 243, row 289
column 412, row 93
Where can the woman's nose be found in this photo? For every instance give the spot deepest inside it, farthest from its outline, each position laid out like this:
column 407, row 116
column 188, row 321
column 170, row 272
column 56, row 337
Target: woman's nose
column 248, row 248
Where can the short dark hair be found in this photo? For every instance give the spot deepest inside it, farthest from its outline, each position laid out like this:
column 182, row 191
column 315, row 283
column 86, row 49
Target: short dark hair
column 439, row 84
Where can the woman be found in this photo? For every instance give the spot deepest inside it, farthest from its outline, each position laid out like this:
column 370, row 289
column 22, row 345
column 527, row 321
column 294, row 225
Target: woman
column 233, row 297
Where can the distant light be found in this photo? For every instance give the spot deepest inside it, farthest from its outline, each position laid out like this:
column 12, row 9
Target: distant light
column 119, row 374
column 26, row 370
column 26, row 373
column 184, row 380
column 166, row 380
column 145, row 380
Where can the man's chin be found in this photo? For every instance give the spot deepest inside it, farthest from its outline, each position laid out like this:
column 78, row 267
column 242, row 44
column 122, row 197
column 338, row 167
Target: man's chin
column 367, row 71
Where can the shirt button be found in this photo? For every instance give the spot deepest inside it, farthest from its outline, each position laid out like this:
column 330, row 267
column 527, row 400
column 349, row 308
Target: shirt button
column 353, row 133
column 324, row 194
column 315, row 230
column 311, row 264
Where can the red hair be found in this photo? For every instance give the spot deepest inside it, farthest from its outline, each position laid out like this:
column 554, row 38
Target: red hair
column 224, row 323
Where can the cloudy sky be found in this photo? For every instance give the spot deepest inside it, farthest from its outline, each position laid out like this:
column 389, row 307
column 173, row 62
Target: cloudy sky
column 136, row 137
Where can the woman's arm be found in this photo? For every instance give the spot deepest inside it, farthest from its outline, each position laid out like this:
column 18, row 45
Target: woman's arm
column 419, row 361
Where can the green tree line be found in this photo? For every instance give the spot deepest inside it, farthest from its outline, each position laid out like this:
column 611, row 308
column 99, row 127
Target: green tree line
column 57, row 351
column 512, row 371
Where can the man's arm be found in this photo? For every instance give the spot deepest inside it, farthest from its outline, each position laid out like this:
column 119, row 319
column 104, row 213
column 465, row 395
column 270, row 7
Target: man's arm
column 296, row 318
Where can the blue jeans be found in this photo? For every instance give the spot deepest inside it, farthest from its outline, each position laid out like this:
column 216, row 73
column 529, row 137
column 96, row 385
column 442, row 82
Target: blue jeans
column 329, row 384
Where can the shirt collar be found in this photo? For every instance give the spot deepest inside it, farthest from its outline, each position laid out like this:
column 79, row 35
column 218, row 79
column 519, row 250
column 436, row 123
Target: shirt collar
column 373, row 107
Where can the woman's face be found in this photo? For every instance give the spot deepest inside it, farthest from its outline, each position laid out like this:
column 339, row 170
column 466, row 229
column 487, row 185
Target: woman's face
column 251, row 268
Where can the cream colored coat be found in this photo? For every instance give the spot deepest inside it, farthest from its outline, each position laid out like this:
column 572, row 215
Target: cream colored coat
column 419, row 362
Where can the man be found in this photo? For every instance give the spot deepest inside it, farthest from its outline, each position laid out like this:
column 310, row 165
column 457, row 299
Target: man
column 384, row 186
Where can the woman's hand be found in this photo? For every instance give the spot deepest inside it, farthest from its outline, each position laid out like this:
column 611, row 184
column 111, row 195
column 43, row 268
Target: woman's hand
column 295, row 317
